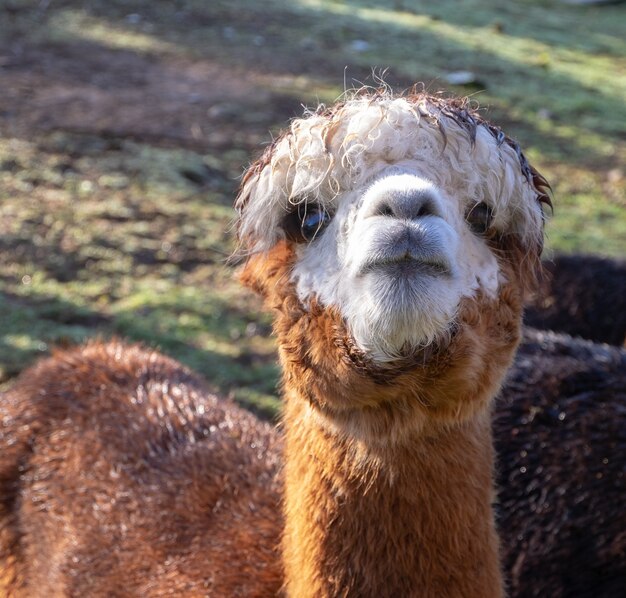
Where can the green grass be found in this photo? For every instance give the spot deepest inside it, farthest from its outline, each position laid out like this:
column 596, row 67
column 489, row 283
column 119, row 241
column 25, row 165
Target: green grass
column 118, row 225
column 143, row 256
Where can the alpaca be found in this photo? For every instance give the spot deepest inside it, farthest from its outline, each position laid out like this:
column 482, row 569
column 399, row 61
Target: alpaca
column 122, row 475
column 582, row 295
column 395, row 239
column 560, row 438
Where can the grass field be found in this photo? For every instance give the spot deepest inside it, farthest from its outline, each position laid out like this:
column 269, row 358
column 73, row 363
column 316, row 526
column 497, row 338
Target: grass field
column 125, row 125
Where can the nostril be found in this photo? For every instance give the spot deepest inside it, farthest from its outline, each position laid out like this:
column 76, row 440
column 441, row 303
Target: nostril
column 426, row 208
column 385, row 210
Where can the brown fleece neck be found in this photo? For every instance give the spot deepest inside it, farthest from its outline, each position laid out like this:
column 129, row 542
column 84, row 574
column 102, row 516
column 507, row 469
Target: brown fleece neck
column 405, row 519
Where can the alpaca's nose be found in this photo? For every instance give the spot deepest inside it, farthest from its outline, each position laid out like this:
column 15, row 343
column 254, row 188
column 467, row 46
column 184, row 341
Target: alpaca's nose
column 404, row 197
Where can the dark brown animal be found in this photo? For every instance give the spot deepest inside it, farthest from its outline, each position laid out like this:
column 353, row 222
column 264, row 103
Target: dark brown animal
column 560, row 436
column 582, row 295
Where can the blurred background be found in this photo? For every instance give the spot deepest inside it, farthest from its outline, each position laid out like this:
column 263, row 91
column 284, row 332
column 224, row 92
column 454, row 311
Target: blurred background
column 125, row 126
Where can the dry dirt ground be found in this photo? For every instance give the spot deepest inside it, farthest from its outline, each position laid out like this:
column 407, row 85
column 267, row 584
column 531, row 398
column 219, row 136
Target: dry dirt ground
column 81, row 88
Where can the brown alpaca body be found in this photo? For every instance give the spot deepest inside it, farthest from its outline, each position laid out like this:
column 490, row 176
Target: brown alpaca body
column 121, row 475
column 147, row 485
column 559, row 519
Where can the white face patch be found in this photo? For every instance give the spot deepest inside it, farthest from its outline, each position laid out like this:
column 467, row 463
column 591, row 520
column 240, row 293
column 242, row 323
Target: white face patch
column 396, row 278
column 398, row 255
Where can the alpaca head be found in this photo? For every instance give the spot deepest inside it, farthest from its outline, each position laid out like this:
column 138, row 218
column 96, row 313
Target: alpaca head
column 403, row 220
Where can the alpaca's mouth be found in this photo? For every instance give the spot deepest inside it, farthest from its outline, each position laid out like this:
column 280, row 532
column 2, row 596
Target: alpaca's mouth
column 407, row 266
column 407, row 249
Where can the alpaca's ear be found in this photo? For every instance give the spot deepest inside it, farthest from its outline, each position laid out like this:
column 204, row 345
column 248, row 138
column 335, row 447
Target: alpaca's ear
column 532, row 269
column 525, row 253
column 265, row 272
column 526, row 262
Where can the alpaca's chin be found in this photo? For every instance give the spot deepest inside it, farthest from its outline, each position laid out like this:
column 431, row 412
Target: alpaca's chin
column 402, row 309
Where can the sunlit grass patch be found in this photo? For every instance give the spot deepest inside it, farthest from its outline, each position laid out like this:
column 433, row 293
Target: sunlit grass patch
column 582, row 222
column 79, row 24
column 144, row 260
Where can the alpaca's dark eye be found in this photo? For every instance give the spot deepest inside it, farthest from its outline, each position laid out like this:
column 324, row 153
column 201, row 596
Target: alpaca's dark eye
column 306, row 222
column 479, row 218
